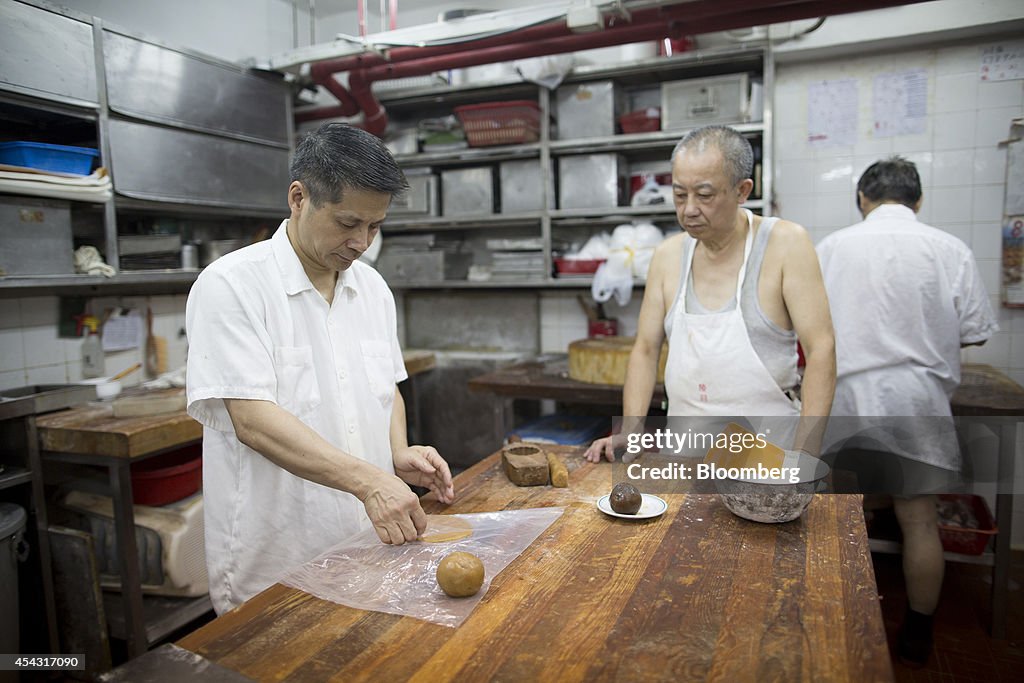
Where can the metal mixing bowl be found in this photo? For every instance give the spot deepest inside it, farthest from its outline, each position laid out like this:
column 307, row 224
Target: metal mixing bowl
column 773, row 501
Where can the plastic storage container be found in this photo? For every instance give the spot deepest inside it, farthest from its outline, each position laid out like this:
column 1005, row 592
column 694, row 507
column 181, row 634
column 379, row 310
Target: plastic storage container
column 46, row 157
column 641, row 121
column 967, row 541
column 12, row 523
column 500, row 123
column 169, row 477
column 560, row 428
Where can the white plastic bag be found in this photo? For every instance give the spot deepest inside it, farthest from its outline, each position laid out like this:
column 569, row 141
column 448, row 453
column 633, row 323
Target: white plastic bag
column 629, row 256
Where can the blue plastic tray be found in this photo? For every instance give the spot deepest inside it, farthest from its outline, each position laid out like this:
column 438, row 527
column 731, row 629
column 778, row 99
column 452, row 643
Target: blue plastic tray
column 46, row 157
column 569, row 430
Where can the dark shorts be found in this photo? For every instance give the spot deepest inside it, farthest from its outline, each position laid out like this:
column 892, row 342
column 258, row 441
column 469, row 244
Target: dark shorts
column 856, row 470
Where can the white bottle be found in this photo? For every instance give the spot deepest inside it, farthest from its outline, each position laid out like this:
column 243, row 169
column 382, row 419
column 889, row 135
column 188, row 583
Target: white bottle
column 93, row 362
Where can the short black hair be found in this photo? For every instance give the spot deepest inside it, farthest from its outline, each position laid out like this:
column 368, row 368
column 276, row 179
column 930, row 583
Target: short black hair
column 735, row 149
column 891, row 180
column 338, row 157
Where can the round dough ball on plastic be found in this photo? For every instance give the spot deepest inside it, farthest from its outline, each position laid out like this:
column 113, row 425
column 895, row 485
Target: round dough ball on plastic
column 460, row 574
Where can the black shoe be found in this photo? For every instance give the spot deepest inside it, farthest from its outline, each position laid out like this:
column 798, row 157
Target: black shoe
column 915, row 640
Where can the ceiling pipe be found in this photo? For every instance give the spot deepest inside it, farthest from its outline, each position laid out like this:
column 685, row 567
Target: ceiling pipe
column 698, row 16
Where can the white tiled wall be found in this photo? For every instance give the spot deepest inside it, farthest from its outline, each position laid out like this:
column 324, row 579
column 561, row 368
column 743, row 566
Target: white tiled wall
column 961, row 166
column 562, row 320
column 31, row 352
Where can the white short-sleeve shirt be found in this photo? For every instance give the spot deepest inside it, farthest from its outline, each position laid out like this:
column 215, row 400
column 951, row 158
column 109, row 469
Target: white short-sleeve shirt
column 258, row 329
column 904, row 297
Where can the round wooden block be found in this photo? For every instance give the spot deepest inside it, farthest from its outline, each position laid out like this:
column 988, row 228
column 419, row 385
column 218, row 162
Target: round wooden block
column 603, row 360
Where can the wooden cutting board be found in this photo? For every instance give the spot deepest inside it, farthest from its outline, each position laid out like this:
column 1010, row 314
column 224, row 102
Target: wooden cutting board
column 150, row 403
column 603, row 360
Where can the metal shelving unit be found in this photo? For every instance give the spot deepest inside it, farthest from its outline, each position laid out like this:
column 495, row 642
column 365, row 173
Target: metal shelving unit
column 169, row 153
column 548, row 223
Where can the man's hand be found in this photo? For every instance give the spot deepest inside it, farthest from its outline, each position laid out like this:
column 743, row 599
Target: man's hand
column 394, row 510
column 607, row 447
column 424, row 466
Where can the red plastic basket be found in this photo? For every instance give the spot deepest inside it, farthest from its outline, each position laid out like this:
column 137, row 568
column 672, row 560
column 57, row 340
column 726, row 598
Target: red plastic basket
column 169, row 477
column 500, row 123
column 641, row 121
column 956, row 539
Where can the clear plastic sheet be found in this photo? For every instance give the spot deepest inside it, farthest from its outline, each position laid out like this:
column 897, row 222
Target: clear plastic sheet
column 366, row 574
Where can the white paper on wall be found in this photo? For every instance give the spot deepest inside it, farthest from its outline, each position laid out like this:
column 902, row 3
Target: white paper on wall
column 1002, row 61
column 123, row 330
column 900, row 103
column 832, row 113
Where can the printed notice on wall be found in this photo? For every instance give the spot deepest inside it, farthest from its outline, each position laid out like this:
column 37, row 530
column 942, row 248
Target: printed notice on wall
column 832, row 113
column 1002, row 61
column 900, row 102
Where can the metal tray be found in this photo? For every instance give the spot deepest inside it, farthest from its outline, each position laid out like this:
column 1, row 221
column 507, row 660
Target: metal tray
column 43, row 398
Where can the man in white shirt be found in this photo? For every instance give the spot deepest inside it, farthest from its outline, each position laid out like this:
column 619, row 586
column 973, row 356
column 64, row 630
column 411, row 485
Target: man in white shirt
column 905, row 297
column 293, row 368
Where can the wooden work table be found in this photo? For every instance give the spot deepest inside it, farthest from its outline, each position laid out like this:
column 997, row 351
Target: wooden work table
column 694, row 594
column 985, row 396
column 91, row 435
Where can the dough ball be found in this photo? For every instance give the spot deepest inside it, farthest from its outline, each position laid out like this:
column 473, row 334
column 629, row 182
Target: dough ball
column 460, row 575
column 625, row 499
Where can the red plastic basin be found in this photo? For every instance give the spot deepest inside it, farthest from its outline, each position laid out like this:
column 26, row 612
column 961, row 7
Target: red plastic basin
column 168, row 477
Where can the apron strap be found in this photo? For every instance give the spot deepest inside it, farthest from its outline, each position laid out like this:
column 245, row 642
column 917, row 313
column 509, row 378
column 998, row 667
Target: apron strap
column 748, row 245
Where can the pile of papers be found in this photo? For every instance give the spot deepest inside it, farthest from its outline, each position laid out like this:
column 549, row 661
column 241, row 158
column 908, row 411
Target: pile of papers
column 28, row 181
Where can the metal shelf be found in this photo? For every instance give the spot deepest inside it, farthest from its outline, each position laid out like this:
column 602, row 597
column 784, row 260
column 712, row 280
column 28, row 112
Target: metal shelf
column 162, row 615
column 13, row 475
column 497, row 220
column 636, row 141
column 880, row 545
column 185, row 208
column 470, row 155
column 547, row 283
column 134, row 281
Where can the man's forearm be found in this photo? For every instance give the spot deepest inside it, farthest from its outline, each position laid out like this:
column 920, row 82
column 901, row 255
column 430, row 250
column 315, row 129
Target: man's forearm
column 289, row 443
column 816, row 395
column 399, row 433
column 641, row 376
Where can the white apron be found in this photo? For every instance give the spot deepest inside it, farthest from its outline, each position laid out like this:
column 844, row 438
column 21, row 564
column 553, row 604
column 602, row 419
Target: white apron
column 712, row 368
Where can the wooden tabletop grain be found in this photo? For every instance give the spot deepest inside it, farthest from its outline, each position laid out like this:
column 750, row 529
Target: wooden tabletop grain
column 696, row 594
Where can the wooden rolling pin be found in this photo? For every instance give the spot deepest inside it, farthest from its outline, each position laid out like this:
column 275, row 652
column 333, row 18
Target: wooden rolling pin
column 558, row 471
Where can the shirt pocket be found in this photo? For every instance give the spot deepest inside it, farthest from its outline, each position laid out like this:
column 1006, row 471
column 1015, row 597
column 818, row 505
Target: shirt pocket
column 297, row 389
column 380, row 371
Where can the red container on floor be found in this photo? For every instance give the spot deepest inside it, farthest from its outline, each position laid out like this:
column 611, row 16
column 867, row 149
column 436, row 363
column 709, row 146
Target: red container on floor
column 958, row 539
column 169, row 477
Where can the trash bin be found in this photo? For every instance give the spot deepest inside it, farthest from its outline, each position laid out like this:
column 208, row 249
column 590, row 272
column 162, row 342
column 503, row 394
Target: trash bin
column 12, row 523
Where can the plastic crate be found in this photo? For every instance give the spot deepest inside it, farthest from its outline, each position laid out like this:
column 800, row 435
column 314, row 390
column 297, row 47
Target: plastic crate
column 641, row 121
column 500, row 123
column 46, row 157
column 957, row 539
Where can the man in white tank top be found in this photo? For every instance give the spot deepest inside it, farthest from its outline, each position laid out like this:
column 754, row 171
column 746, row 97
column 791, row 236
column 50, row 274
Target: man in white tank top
column 713, row 368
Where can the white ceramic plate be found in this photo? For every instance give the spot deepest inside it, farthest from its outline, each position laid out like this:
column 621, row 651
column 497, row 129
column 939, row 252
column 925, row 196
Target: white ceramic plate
column 650, row 506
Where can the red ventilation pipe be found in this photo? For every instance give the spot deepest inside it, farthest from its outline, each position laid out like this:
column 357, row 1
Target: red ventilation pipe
column 697, row 16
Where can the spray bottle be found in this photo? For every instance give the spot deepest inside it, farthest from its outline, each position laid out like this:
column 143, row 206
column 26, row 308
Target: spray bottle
column 93, row 363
